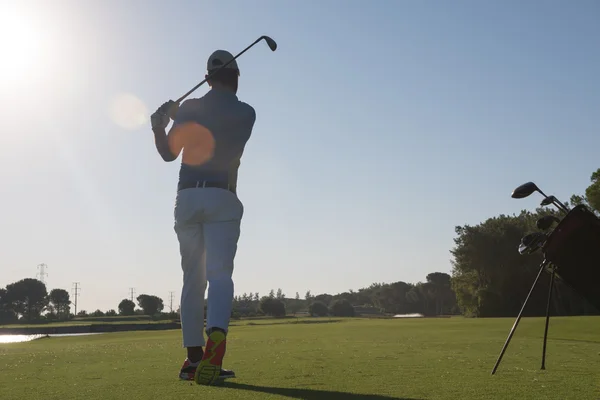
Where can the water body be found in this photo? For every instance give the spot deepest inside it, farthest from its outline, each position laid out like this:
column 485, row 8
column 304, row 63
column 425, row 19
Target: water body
column 408, row 315
column 28, row 338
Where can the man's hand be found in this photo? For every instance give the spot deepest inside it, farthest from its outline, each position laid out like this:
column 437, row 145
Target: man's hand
column 161, row 117
column 160, row 120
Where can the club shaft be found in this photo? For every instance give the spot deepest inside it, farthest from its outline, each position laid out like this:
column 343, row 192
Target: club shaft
column 179, row 100
column 555, row 201
column 514, row 327
column 548, row 317
column 561, row 205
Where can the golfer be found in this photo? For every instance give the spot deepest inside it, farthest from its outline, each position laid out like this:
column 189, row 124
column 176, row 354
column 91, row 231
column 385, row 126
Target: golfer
column 211, row 133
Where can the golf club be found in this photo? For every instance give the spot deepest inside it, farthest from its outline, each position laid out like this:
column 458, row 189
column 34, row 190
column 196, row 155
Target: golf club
column 546, row 222
column 528, row 188
column 532, row 242
column 270, row 42
column 525, row 190
column 553, row 200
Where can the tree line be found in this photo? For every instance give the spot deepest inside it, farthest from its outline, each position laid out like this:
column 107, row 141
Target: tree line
column 432, row 297
column 489, row 278
column 28, row 300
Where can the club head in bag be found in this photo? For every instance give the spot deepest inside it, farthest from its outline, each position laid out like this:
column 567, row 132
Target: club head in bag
column 525, row 190
column 546, row 222
column 532, row 242
column 553, row 200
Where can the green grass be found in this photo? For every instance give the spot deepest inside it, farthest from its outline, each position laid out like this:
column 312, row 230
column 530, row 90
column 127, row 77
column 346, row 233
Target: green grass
column 447, row 358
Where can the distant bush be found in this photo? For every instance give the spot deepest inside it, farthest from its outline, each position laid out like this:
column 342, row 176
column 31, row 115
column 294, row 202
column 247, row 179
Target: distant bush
column 341, row 308
column 97, row 313
column 318, row 309
column 273, row 307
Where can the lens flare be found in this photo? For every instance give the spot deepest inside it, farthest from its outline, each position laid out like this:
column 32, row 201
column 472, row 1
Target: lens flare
column 128, row 111
column 196, row 141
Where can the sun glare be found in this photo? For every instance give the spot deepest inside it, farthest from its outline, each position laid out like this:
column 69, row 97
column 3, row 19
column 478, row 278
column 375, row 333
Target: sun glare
column 128, row 111
column 20, row 43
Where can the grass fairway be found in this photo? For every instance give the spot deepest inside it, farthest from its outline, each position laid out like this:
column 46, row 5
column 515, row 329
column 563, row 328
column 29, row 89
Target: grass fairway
column 343, row 360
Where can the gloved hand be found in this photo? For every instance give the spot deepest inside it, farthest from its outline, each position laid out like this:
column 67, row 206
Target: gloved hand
column 161, row 117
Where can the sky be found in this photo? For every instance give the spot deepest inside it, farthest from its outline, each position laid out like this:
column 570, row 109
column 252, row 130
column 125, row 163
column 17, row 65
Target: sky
column 381, row 126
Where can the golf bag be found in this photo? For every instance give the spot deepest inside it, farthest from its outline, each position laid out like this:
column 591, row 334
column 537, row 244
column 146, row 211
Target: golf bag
column 573, row 248
column 572, row 254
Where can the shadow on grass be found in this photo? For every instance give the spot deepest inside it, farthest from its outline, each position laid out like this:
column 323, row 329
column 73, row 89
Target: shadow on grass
column 575, row 340
column 310, row 394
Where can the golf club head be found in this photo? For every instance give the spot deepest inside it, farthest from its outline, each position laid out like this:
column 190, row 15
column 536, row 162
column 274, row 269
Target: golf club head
column 553, row 200
column 548, row 200
column 546, row 222
column 270, row 42
column 524, row 190
column 532, row 242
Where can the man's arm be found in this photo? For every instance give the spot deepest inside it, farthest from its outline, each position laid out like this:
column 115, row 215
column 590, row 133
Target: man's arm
column 162, row 145
column 160, row 120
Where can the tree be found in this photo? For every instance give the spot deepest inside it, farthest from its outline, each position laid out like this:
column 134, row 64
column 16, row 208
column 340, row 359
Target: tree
column 486, row 265
column 150, row 304
column 293, row 305
column 323, row 298
column 307, row 296
column 391, row 298
column 317, row 309
column 97, row 313
column 427, row 296
column 27, row 297
column 414, row 300
column 442, row 292
column 3, row 299
column 341, row 308
column 60, row 300
column 280, row 294
column 111, row 313
column 273, row 307
column 7, row 315
column 592, row 193
column 272, row 294
column 126, row 307
column 297, row 296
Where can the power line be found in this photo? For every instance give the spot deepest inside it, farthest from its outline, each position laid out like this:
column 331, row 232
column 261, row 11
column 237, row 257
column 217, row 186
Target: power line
column 76, row 290
column 42, row 272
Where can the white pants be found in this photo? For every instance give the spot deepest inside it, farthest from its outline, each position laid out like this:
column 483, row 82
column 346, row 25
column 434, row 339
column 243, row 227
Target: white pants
column 207, row 223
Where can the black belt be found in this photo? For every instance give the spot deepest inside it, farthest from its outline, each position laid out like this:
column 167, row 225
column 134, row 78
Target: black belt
column 204, row 184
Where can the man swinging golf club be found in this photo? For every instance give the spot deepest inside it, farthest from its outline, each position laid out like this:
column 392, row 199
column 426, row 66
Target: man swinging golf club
column 211, row 132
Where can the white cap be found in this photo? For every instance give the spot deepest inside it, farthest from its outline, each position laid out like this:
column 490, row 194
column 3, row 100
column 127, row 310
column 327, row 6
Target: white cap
column 219, row 58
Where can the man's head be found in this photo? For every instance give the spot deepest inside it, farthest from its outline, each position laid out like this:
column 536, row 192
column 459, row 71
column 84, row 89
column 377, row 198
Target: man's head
column 227, row 77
